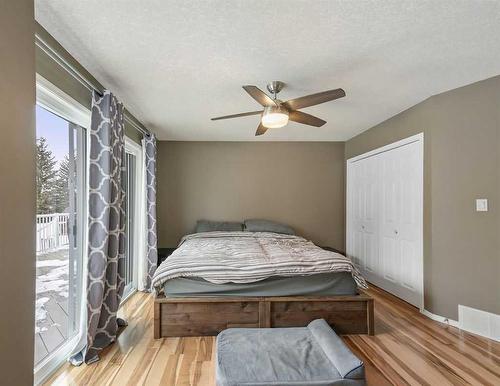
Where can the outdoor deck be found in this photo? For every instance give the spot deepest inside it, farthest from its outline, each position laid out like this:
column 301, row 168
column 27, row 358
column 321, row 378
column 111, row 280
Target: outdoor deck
column 51, row 328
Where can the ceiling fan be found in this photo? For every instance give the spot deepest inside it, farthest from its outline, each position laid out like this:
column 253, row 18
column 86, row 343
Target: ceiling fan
column 276, row 113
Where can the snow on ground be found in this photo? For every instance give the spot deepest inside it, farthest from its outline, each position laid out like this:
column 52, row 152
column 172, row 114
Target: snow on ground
column 51, row 284
column 41, row 313
column 50, row 263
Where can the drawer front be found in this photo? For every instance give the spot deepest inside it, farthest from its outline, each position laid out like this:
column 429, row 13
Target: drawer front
column 198, row 319
column 344, row 317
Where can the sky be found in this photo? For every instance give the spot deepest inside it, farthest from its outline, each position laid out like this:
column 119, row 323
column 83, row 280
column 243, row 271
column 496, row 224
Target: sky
column 55, row 130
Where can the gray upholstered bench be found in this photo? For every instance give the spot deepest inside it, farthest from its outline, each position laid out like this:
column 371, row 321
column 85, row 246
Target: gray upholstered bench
column 299, row 356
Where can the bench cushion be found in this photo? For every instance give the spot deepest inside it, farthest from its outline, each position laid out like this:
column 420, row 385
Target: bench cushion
column 312, row 355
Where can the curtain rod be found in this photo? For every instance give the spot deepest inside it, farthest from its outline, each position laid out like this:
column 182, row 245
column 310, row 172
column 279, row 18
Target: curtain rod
column 70, row 69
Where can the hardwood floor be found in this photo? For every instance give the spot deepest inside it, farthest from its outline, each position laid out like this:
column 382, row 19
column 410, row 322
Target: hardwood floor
column 407, row 349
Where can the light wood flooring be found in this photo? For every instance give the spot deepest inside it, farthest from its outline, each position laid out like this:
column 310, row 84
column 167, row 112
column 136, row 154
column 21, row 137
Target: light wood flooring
column 407, row 349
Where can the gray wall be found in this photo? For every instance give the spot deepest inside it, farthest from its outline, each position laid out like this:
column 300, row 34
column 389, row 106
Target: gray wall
column 462, row 162
column 17, row 192
column 300, row 184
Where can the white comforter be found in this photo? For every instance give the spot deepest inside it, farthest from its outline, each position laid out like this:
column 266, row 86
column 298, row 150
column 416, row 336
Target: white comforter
column 245, row 257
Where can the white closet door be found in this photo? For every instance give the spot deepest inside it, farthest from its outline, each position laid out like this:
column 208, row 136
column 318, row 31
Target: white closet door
column 370, row 223
column 401, row 224
column 356, row 209
column 384, row 219
column 364, row 209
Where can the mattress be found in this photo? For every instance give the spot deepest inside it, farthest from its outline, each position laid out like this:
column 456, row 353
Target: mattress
column 248, row 257
column 324, row 284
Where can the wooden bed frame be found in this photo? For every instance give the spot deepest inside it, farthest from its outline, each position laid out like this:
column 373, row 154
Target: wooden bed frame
column 201, row 316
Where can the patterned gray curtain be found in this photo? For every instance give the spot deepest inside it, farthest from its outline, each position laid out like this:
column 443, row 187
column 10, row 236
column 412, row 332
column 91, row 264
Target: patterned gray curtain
column 106, row 239
column 152, row 252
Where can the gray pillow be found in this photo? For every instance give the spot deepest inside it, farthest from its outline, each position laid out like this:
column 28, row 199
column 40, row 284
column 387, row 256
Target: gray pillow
column 268, row 226
column 211, row 226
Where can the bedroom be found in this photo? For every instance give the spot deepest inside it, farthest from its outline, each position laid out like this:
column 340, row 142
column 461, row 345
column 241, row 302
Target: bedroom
column 362, row 190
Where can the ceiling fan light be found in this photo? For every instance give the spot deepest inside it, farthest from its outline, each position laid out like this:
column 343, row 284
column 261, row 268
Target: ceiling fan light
column 274, row 117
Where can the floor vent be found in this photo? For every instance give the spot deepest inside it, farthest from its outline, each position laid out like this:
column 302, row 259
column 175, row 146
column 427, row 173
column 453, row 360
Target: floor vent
column 479, row 322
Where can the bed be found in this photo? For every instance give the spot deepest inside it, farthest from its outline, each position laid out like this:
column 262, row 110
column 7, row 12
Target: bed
column 220, row 279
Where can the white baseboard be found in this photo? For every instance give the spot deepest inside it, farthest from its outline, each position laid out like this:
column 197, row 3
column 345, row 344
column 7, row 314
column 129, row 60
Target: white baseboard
column 472, row 320
column 479, row 322
column 440, row 319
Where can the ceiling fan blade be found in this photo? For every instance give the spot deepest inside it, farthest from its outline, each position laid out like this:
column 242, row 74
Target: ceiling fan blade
column 314, row 99
column 259, row 95
column 237, row 115
column 306, row 119
column 260, row 130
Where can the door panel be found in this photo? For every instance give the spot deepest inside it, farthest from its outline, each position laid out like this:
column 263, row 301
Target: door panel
column 130, row 205
column 408, row 264
column 371, row 263
column 359, row 249
column 390, row 259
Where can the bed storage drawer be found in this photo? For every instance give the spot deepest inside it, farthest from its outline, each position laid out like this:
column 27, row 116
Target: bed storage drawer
column 174, row 317
column 346, row 317
column 206, row 318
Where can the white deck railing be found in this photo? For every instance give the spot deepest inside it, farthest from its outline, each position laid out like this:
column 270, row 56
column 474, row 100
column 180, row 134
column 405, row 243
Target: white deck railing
column 51, row 231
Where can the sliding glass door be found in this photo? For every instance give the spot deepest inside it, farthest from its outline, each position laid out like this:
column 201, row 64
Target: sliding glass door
column 130, row 209
column 134, row 211
column 77, row 220
column 60, row 225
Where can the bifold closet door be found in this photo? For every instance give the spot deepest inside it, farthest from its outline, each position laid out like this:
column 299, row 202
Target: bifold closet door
column 384, row 219
column 365, row 214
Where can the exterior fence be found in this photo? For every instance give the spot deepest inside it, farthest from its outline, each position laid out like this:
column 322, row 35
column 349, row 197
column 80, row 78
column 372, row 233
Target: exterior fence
column 51, row 231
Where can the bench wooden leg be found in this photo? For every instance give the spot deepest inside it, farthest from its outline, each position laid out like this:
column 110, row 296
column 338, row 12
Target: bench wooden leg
column 371, row 317
column 157, row 320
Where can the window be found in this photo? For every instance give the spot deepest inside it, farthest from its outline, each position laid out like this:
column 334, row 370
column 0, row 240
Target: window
column 60, row 225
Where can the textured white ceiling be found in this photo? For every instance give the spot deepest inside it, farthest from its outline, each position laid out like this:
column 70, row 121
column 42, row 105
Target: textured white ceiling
column 175, row 64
